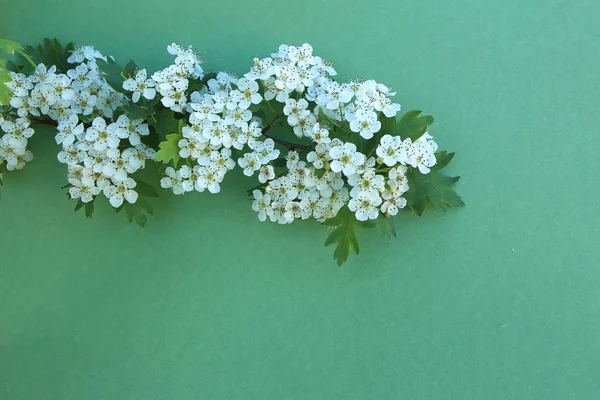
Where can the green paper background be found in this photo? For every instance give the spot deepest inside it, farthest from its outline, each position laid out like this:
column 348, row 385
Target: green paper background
column 500, row 300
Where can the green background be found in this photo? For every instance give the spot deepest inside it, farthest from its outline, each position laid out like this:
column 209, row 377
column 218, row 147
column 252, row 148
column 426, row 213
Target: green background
column 499, row 300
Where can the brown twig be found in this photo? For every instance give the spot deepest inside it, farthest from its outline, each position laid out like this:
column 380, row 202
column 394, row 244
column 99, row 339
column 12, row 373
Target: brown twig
column 285, row 143
column 44, row 122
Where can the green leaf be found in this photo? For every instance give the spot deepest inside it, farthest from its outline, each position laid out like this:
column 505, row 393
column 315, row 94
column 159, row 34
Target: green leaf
column 166, row 123
column 134, row 111
column 79, row 205
column 443, row 158
column 113, row 73
column 4, row 90
column 412, row 125
column 138, row 212
column 435, row 187
column 279, row 162
column 89, row 209
column 145, row 189
column 9, row 46
column 344, row 235
column 387, row 226
column 130, row 69
column 169, row 149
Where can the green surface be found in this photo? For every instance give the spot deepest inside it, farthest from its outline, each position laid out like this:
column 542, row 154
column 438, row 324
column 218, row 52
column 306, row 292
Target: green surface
column 500, row 300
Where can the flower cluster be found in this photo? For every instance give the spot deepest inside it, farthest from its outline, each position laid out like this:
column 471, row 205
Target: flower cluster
column 171, row 82
column 99, row 158
column 219, row 121
column 13, row 145
column 367, row 184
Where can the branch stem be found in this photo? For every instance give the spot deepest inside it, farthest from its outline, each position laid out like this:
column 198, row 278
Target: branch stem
column 284, row 143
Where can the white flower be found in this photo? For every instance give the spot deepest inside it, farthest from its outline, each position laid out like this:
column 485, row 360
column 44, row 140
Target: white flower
column 365, row 123
column 295, row 110
column 319, row 156
column 283, row 188
column 390, row 149
column 237, row 116
column 102, row 136
column 140, row 86
column 209, row 179
column 61, row 84
column 17, row 132
column 320, row 135
column 266, row 173
column 262, row 205
column 266, row 150
column 217, row 133
column 190, row 148
column 83, row 103
column 137, row 156
column 131, row 129
column 68, row 131
column 366, row 182
column 84, row 189
column 41, row 73
column 71, row 155
column 222, row 161
column 262, row 69
column 173, row 181
column 250, row 163
column 304, row 125
column 96, row 161
column 391, row 109
column 346, row 159
column 121, row 191
column 422, row 153
column 19, row 84
column 42, row 99
column 334, row 96
column 292, row 158
column 287, row 78
column 119, row 167
column 365, row 205
column 249, row 90
column 81, row 76
column 397, row 179
column 393, row 201
column 204, row 109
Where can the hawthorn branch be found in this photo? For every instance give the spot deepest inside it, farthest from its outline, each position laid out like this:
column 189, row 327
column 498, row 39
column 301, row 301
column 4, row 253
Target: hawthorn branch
column 44, row 122
column 285, row 143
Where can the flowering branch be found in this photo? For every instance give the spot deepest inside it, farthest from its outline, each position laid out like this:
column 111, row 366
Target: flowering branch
column 362, row 164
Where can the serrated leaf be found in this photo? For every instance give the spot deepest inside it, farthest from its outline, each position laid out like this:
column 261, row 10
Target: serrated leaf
column 134, row 111
column 435, row 187
column 130, row 69
column 166, row 123
column 443, row 158
column 9, row 46
column 89, row 209
column 344, row 235
column 145, row 189
column 112, row 73
column 79, row 205
column 387, row 226
column 412, row 125
column 138, row 212
column 169, row 150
